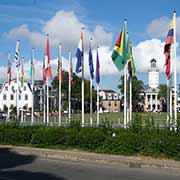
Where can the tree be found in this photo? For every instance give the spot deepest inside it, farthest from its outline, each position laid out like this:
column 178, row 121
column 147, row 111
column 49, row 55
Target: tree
column 137, row 88
column 163, row 96
column 75, row 92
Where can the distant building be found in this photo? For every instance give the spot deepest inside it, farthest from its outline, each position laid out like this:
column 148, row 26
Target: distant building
column 8, row 95
column 152, row 102
column 110, row 100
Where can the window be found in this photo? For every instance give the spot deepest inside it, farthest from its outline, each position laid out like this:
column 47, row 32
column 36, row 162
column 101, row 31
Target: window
column 153, row 96
column 19, row 97
column 4, row 96
column 109, row 103
column 6, row 88
column 115, row 103
column 24, row 88
column 13, row 88
column 26, row 97
column 12, row 97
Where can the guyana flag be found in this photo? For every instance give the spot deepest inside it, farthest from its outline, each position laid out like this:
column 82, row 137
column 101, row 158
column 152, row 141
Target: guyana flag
column 131, row 65
column 119, row 51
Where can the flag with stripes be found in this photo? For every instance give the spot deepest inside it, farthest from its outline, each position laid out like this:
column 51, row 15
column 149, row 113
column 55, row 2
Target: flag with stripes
column 47, row 59
column 16, row 56
column 59, row 70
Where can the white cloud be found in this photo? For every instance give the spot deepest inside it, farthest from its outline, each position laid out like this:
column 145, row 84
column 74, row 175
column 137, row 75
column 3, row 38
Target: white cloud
column 63, row 27
column 159, row 27
column 146, row 50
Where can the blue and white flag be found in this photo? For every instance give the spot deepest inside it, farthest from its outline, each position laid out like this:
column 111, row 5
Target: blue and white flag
column 91, row 67
column 16, row 56
column 79, row 55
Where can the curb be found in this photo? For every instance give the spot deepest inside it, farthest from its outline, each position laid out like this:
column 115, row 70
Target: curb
column 117, row 160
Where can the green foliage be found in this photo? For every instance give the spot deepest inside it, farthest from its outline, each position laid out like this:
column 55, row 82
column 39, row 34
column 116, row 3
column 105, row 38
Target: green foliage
column 136, row 90
column 132, row 141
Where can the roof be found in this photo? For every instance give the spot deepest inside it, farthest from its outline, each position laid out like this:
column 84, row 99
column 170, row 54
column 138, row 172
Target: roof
column 153, row 60
column 108, row 90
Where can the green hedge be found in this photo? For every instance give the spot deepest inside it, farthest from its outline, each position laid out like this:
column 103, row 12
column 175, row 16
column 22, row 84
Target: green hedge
column 131, row 141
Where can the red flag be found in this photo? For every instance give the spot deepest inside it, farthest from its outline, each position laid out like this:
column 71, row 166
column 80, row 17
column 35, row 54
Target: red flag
column 48, row 67
column 9, row 68
column 59, row 70
column 44, row 73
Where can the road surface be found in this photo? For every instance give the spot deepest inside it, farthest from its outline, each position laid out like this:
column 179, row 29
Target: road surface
column 28, row 167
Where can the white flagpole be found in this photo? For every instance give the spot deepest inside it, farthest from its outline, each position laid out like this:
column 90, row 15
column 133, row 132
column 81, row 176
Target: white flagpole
column 70, row 63
column 44, row 104
column 17, row 81
column 47, row 84
column 83, row 78
column 60, row 59
column 97, row 104
column 22, row 94
column 9, row 59
column 91, row 111
column 130, row 100
column 32, row 82
column 125, row 97
column 175, row 73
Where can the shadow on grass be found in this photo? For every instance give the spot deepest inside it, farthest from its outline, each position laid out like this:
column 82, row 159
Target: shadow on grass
column 10, row 159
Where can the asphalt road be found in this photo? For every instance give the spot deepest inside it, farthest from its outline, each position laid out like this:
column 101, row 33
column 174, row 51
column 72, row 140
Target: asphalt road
column 27, row 167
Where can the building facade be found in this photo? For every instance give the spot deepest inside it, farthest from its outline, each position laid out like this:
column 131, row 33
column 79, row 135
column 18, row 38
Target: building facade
column 152, row 102
column 110, row 100
column 8, row 95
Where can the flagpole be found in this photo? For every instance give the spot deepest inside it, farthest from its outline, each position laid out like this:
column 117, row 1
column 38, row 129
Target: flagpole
column 44, row 104
column 60, row 59
column 175, row 72
column 130, row 100
column 9, row 79
column 97, row 104
column 125, row 105
column 82, row 79
column 91, row 111
column 97, row 81
column 32, row 82
column 47, row 84
column 22, row 85
column 70, row 63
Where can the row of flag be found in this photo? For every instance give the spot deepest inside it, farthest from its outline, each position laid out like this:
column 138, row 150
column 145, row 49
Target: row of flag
column 47, row 72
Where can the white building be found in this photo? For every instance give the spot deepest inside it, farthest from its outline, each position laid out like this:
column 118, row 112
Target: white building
column 153, row 75
column 152, row 103
column 8, row 95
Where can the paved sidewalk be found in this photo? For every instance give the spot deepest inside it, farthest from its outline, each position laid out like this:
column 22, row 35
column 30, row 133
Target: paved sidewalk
column 127, row 161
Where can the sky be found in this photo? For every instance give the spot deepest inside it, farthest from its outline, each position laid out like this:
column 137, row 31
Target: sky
column 30, row 20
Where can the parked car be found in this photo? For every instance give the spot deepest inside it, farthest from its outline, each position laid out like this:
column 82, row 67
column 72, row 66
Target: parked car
column 2, row 116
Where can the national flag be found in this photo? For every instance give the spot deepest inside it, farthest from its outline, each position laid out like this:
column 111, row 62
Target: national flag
column 167, row 48
column 22, row 72
column 59, row 70
column 47, row 59
column 97, row 69
column 79, row 54
column 91, row 67
column 16, row 56
column 9, row 68
column 31, row 71
column 119, row 51
column 131, row 65
column 44, row 73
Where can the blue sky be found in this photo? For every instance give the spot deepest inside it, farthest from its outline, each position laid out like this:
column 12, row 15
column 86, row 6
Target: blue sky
column 30, row 20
